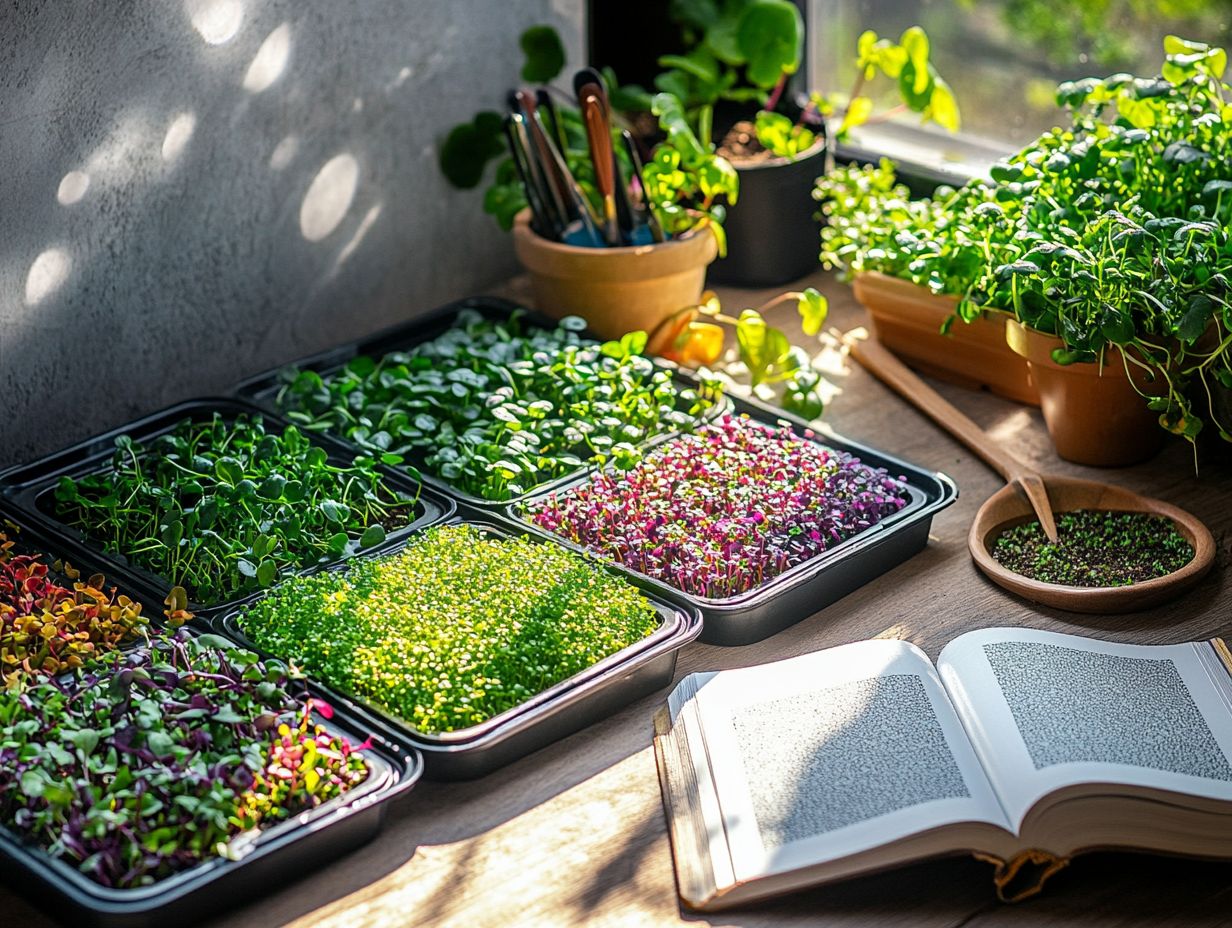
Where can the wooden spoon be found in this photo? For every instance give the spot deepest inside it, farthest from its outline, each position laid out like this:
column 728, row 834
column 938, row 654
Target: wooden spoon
column 1028, row 495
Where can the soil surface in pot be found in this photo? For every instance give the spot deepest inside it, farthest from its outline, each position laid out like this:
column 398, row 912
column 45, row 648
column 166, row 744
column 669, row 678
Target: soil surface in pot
column 1095, row 549
column 740, row 145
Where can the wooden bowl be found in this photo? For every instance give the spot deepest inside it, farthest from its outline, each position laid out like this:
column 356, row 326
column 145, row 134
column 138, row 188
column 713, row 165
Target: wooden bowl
column 1009, row 507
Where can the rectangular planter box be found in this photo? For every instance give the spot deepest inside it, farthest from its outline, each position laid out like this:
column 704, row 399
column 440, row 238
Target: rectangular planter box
column 809, row 587
column 907, row 319
column 560, row 710
column 262, row 389
column 281, row 854
column 30, row 490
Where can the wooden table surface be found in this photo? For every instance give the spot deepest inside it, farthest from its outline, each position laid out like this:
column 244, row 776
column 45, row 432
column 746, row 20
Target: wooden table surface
column 575, row 833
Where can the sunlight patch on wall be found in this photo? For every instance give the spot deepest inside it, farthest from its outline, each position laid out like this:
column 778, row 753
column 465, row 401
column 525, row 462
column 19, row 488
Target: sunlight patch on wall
column 329, row 197
column 73, row 187
column 217, row 20
column 365, row 224
column 270, row 61
column 47, row 274
column 178, row 134
column 284, row 152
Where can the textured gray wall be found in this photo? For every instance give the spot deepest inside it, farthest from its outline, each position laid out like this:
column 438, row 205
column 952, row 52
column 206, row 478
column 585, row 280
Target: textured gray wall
column 194, row 190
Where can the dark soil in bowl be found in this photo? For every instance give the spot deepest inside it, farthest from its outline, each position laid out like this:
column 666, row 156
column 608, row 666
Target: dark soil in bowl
column 1095, row 549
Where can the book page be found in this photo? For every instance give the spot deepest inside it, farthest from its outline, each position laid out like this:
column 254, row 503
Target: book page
column 825, row 755
column 1046, row 710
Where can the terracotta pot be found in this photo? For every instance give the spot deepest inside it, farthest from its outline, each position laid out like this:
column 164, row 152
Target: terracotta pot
column 616, row 290
column 907, row 319
column 1094, row 416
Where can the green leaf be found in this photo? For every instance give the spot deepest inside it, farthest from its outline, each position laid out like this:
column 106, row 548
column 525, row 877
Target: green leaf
column 1193, row 323
column 813, row 308
column 33, row 784
column 914, row 42
column 545, row 54
column 85, row 740
column 335, row 511
column 267, row 573
column 469, row 147
column 374, row 534
column 858, row 111
column 771, row 37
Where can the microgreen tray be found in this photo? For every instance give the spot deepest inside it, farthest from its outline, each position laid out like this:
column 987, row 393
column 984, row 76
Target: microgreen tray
column 807, row 587
column 548, row 716
column 262, row 389
column 278, row 855
column 30, row 490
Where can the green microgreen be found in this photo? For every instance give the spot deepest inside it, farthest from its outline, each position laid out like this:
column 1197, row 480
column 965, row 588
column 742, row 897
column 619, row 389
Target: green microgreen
column 225, row 507
column 497, row 408
column 454, row 629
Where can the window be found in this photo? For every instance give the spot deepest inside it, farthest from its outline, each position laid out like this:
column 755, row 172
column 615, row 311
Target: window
column 1003, row 58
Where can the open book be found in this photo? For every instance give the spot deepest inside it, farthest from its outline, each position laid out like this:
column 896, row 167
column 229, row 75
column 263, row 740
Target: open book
column 1021, row 747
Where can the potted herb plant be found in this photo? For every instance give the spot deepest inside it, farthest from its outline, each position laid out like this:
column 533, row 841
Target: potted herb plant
column 745, row 52
column 1118, row 267
column 912, row 263
column 621, row 288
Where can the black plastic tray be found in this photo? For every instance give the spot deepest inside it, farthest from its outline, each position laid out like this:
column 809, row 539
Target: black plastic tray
column 281, row 853
column 549, row 716
column 29, row 489
column 824, row 579
column 262, row 389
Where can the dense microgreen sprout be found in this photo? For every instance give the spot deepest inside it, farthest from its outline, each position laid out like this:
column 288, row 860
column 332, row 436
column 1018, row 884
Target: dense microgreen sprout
column 148, row 761
column 225, row 507
column 722, row 511
column 454, row 629
column 1095, row 548
column 496, row 409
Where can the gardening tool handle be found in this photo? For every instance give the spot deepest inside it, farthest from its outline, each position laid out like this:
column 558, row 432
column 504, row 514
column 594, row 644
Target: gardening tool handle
column 878, row 360
column 599, row 135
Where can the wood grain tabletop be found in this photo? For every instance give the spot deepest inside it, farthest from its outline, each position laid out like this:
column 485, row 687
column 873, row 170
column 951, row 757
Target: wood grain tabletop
column 575, row 833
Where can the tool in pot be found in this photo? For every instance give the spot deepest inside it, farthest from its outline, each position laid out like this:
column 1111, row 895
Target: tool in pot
column 1043, row 495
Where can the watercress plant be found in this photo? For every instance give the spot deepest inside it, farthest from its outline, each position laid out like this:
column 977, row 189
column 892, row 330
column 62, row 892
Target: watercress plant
column 224, row 507
column 496, row 408
column 454, row 629
column 719, row 513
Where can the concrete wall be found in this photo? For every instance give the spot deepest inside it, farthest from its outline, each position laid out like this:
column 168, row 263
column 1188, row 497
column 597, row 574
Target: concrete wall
column 194, row 190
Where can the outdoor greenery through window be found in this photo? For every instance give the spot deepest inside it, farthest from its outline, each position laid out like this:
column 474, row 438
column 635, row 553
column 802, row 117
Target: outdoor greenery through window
column 1007, row 56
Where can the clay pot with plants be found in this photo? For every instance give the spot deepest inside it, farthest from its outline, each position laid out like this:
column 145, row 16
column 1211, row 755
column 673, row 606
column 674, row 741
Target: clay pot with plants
column 909, row 261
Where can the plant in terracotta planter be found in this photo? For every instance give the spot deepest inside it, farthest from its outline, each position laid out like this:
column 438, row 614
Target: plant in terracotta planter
column 912, row 262
column 454, row 629
column 1119, row 250
column 721, row 512
column 224, row 507
column 496, row 409
column 147, row 762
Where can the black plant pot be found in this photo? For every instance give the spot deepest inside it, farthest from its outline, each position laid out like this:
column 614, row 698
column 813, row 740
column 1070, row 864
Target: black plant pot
column 772, row 230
